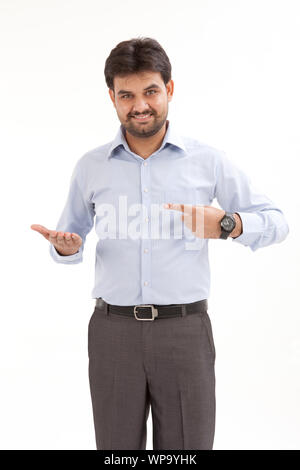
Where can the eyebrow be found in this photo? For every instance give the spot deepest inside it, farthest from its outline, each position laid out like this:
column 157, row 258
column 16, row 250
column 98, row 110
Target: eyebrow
column 121, row 92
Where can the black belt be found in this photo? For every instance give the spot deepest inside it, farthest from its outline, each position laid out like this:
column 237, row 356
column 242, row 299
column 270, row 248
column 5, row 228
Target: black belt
column 150, row 312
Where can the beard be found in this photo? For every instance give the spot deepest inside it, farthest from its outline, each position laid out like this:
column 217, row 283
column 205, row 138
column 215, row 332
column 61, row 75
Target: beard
column 147, row 129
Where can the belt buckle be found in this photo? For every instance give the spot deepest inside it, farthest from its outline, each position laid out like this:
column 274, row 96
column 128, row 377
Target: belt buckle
column 153, row 311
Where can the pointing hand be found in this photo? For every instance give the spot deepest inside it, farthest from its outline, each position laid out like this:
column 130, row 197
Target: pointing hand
column 204, row 221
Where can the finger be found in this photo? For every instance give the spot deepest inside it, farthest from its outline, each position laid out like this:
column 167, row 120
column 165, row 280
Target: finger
column 75, row 237
column 177, row 207
column 40, row 228
column 53, row 236
column 60, row 237
column 187, row 208
column 68, row 237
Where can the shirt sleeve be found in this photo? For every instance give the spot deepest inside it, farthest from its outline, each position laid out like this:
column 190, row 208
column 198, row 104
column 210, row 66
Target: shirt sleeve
column 263, row 223
column 76, row 217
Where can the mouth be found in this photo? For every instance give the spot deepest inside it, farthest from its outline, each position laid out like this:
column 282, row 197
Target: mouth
column 143, row 117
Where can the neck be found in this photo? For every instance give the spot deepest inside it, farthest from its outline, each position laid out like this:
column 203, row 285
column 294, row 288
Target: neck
column 144, row 147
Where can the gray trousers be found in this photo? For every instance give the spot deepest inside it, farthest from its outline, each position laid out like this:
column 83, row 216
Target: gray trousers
column 167, row 363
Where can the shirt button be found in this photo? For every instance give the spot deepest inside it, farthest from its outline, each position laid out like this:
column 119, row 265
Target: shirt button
column 146, row 190
column 146, row 250
column 145, row 283
column 147, row 219
column 145, row 163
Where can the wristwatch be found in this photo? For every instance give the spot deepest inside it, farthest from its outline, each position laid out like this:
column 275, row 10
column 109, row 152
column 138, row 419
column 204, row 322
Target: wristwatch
column 227, row 224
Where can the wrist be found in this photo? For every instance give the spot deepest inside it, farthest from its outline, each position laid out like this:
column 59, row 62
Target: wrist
column 61, row 253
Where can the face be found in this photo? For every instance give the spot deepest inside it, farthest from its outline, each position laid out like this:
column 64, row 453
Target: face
column 142, row 94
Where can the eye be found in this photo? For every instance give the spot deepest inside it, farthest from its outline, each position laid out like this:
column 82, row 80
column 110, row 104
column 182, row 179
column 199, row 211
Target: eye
column 149, row 91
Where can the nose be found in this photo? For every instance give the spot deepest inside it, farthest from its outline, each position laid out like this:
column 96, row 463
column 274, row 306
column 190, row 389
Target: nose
column 140, row 106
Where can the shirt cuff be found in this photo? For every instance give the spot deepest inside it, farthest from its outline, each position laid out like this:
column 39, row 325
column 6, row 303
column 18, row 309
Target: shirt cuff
column 253, row 227
column 68, row 259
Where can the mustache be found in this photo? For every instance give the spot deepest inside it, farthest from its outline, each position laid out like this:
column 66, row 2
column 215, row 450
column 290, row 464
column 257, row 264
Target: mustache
column 140, row 114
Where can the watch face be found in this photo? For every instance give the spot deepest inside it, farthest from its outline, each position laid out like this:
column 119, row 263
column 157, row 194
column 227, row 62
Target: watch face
column 227, row 224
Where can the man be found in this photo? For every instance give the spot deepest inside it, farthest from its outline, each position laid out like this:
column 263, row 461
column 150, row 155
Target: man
column 150, row 339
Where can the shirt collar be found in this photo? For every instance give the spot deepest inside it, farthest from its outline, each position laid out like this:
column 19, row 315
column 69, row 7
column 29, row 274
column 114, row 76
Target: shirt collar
column 171, row 137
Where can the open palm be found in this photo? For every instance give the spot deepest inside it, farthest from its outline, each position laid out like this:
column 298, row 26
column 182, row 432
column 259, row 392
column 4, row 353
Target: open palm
column 66, row 243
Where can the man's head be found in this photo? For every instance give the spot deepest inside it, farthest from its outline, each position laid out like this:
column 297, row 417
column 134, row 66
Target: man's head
column 138, row 75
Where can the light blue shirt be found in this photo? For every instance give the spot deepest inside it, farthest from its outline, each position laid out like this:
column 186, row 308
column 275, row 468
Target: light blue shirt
column 141, row 257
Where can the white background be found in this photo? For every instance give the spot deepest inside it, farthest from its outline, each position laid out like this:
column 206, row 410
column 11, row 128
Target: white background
column 236, row 74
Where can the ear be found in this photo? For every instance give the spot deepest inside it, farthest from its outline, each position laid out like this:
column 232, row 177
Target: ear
column 170, row 89
column 112, row 96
